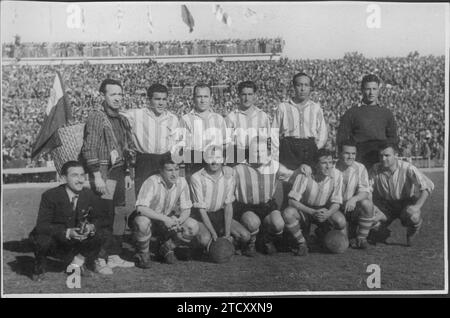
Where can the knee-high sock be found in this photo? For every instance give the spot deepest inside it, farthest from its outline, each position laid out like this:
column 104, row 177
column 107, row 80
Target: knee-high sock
column 413, row 228
column 252, row 240
column 270, row 236
column 364, row 226
column 142, row 243
column 296, row 231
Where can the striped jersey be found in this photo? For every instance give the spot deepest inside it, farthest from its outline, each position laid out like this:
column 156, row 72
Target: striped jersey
column 400, row 184
column 258, row 186
column 210, row 193
column 355, row 179
column 152, row 134
column 157, row 196
column 304, row 120
column 245, row 126
column 317, row 194
column 199, row 132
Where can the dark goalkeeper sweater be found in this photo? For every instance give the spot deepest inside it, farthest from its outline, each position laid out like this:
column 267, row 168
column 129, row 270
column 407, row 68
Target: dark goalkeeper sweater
column 367, row 123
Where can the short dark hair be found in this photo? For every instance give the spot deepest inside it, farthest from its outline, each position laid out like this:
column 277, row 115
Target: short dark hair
column 369, row 79
column 246, row 84
column 323, row 153
column 387, row 144
column 70, row 164
column 165, row 161
column 302, row 74
column 156, row 88
column 108, row 81
column 201, row 85
column 348, row 142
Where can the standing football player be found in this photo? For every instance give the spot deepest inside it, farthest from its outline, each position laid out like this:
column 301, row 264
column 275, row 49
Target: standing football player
column 301, row 124
column 154, row 133
column 248, row 122
column 369, row 124
column 200, row 129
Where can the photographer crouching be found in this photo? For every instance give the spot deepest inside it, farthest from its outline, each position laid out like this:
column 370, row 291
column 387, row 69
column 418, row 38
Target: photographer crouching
column 73, row 220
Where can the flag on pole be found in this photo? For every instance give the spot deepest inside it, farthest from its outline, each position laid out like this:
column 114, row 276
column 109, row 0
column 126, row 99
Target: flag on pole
column 119, row 16
column 83, row 21
column 187, row 18
column 252, row 16
column 149, row 20
column 221, row 15
column 57, row 114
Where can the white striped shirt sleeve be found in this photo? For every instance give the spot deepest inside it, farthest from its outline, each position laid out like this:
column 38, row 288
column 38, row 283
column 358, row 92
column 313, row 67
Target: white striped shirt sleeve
column 197, row 192
column 146, row 193
column 185, row 198
column 419, row 179
column 298, row 188
column 336, row 196
column 363, row 180
column 322, row 131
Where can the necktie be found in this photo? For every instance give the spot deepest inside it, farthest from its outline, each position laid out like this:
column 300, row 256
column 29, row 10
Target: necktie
column 74, row 202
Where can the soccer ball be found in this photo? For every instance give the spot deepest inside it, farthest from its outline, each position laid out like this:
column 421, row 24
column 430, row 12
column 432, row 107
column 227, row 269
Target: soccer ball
column 336, row 242
column 221, row 250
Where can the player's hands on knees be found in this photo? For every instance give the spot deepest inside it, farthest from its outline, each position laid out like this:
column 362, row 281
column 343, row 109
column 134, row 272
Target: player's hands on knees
column 74, row 234
column 100, row 185
column 350, row 205
column 413, row 212
column 322, row 215
column 229, row 238
column 170, row 222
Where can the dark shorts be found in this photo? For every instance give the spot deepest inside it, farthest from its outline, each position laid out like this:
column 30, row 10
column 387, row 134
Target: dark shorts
column 368, row 153
column 147, row 165
column 158, row 228
column 217, row 219
column 393, row 209
column 117, row 174
column 295, row 151
column 261, row 210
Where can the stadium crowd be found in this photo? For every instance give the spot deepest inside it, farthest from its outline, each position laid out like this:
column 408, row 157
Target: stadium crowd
column 141, row 48
column 413, row 88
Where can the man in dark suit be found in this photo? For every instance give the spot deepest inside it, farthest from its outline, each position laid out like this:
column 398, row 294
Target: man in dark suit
column 71, row 219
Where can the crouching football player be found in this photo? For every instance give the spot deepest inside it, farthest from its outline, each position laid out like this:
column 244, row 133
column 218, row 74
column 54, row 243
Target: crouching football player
column 156, row 214
column 212, row 191
column 256, row 183
column 394, row 185
column 315, row 199
column 357, row 207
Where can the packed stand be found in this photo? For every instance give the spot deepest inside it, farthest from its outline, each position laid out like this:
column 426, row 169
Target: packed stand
column 413, row 88
column 141, row 48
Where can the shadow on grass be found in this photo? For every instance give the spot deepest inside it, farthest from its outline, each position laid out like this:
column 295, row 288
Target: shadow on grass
column 23, row 265
column 22, row 246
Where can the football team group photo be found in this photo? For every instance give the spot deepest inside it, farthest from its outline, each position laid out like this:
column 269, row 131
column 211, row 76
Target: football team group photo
column 209, row 148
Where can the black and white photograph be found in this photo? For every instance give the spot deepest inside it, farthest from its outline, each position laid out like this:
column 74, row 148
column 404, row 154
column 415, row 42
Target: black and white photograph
column 198, row 149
